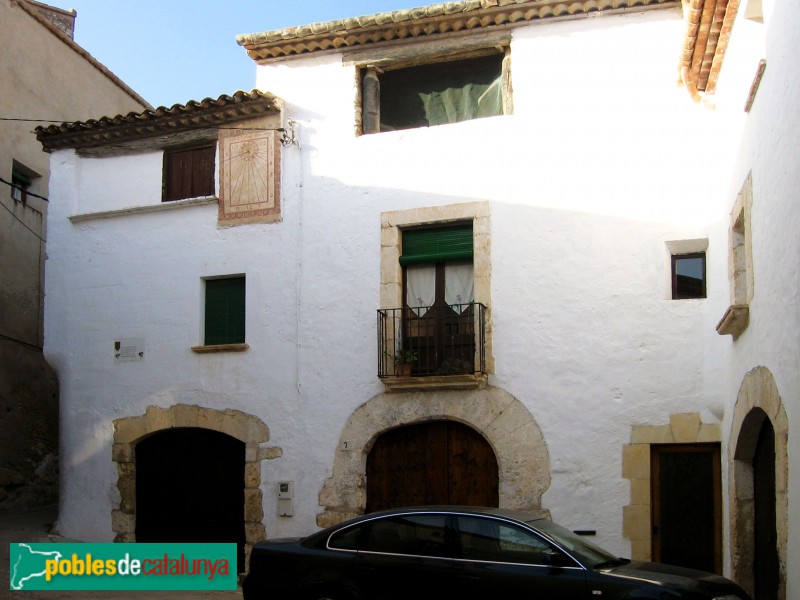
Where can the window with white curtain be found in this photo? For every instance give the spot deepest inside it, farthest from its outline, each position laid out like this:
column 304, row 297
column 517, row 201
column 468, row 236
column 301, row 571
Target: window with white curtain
column 439, row 292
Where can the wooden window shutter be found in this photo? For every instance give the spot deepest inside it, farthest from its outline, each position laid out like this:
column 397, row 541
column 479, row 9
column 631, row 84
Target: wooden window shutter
column 188, row 173
column 225, row 311
column 437, row 245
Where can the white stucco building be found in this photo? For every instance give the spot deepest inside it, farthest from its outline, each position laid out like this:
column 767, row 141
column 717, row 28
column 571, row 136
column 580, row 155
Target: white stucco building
column 581, row 237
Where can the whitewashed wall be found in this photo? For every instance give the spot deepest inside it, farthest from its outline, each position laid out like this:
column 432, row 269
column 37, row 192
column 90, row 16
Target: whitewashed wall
column 588, row 180
column 769, row 149
column 604, row 160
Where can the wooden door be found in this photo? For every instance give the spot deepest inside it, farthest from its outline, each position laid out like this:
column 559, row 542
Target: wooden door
column 765, row 556
column 190, row 488
column 441, row 462
column 686, row 505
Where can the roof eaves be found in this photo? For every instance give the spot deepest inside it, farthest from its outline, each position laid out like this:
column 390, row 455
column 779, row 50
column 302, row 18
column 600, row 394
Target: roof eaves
column 425, row 22
column 708, row 29
column 193, row 115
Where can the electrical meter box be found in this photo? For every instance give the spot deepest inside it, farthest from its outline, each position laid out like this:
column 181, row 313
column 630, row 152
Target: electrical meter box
column 285, row 499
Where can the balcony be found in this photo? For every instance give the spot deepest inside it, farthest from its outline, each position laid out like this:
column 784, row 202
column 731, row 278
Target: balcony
column 428, row 347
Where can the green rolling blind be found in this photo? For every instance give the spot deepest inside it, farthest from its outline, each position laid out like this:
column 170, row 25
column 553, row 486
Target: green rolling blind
column 436, row 245
column 18, row 178
column 225, row 300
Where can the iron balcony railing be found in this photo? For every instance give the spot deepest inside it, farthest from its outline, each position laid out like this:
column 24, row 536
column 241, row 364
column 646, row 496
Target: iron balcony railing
column 432, row 340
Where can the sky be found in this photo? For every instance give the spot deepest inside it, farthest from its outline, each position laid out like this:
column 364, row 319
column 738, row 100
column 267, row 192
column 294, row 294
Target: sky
column 173, row 51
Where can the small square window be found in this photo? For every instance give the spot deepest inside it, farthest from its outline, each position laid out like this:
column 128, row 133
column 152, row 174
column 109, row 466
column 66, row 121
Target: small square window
column 225, row 311
column 188, row 173
column 688, row 276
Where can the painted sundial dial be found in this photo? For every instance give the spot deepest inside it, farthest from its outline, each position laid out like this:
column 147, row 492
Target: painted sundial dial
column 250, row 178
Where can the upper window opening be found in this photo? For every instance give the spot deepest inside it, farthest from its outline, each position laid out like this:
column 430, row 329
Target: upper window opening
column 225, row 311
column 21, row 181
column 689, row 276
column 433, row 94
column 439, row 313
column 188, row 173
column 20, row 184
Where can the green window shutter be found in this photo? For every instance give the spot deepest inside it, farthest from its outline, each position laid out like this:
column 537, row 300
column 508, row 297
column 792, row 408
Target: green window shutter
column 225, row 302
column 20, row 179
column 436, row 245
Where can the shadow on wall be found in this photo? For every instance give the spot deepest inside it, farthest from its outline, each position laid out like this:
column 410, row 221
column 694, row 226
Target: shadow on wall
column 28, row 428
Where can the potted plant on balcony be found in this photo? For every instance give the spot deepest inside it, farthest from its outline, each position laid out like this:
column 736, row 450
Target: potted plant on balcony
column 403, row 359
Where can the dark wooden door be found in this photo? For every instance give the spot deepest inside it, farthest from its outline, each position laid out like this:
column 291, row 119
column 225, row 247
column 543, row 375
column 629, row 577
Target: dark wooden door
column 686, row 505
column 441, row 462
column 765, row 561
column 190, row 488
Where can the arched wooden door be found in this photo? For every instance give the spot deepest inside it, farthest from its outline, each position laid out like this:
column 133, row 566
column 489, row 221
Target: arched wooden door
column 766, row 567
column 190, row 488
column 439, row 462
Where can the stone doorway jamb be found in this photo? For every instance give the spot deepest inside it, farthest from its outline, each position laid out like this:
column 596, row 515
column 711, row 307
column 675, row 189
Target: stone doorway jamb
column 758, row 399
column 518, row 443
column 246, row 428
column 683, row 428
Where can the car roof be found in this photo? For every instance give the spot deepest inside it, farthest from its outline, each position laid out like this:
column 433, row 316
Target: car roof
column 508, row 513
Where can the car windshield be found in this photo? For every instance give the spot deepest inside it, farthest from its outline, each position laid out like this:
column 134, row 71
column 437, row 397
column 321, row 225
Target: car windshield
column 586, row 552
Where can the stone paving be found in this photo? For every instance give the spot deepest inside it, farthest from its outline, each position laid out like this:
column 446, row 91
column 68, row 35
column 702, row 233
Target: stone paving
column 34, row 526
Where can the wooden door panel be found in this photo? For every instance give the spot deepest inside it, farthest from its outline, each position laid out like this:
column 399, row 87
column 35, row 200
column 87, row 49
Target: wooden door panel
column 766, row 565
column 435, row 468
column 190, row 488
column 440, row 462
column 472, row 469
column 686, row 506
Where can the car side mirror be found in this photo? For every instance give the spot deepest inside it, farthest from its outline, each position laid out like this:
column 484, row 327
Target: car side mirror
column 554, row 558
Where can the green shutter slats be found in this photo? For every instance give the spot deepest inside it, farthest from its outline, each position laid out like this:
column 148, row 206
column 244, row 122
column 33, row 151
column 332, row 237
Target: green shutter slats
column 225, row 311
column 20, row 178
column 436, row 245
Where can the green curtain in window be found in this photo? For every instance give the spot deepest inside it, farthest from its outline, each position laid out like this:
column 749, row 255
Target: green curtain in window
column 471, row 101
column 441, row 93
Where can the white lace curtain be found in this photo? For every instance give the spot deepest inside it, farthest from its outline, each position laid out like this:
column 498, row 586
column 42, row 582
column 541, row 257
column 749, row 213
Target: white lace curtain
column 420, row 288
column 459, row 286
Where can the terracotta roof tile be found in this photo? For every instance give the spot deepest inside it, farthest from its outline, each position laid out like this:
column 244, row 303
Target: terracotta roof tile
column 153, row 122
column 708, row 30
column 426, row 21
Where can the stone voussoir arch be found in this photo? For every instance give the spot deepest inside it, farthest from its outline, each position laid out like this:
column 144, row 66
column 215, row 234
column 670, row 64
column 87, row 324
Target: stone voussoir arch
column 758, row 399
column 250, row 430
column 505, row 423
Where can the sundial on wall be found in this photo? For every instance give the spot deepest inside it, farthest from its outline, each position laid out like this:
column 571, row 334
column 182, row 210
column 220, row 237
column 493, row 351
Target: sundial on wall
column 250, row 177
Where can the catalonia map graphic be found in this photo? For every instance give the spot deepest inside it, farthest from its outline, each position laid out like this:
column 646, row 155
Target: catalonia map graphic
column 27, row 563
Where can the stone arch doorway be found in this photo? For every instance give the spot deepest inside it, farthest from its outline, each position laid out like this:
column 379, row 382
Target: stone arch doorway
column 758, row 486
column 435, row 462
column 249, row 430
column 508, row 427
column 189, row 488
